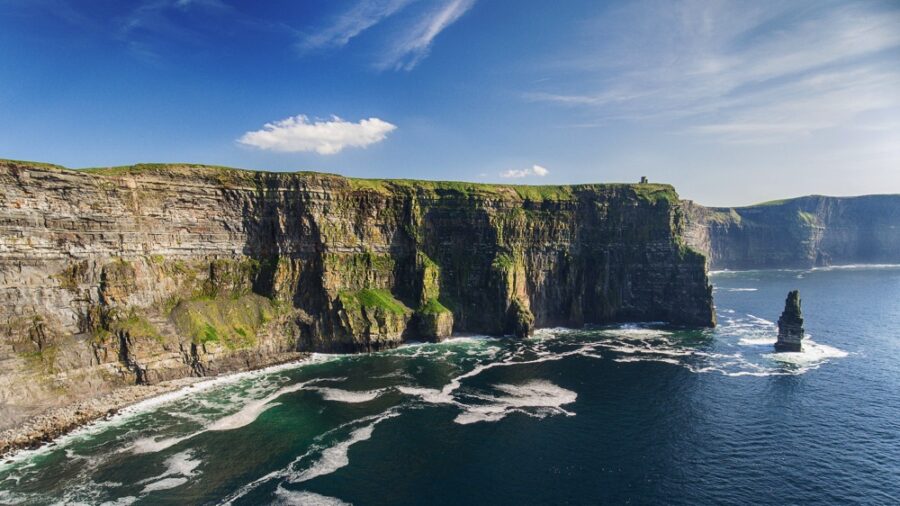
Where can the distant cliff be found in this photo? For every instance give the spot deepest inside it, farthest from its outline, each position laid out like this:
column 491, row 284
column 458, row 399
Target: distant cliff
column 140, row 274
column 798, row 233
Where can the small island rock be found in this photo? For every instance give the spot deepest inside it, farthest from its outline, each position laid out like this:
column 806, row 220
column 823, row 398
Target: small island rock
column 790, row 325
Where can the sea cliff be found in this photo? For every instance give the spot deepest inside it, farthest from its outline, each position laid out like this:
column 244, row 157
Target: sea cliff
column 148, row 273
column 804, row 232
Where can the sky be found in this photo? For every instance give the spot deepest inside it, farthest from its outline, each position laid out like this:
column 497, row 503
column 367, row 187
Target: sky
column 733, row 102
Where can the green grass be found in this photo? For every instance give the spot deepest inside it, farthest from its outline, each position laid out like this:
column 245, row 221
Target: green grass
column 232, row 322
column 31, row 164
column 373, row 298
column 807, row 218
column 503, row 262
column 433, row 307
column 231, row 176
column 137, row 327
column 655, row 193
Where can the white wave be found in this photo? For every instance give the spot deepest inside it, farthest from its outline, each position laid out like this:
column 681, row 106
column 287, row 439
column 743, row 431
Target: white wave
column 535, row 398
column 429, row 395
column 121, row 501
column 179, row 468
column 249, row 413
column 241, row 418
column 741, row 289
column 287, row 497
column 856, row 267
column 125, row 414
column 648, row 359
column 337, row 456
column 164, row 484
column 7, row 497
column 757, row 341
column 153, row 445
column 338, row 395
column 813, row 354
column 757, row 319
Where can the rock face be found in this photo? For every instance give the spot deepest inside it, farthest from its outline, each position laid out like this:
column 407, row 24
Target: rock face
column 797, row 233
column 790, row 325
column 153, row 272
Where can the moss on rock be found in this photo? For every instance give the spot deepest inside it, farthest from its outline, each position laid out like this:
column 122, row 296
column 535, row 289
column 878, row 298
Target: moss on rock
column 231, row 322
column 520, row 320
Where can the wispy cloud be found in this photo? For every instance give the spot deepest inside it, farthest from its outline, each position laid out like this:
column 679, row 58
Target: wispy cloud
column 410, row 37
column 348, row 25
column 414, row 45
column 739, row 72
column 325, row 137
column 535, row 170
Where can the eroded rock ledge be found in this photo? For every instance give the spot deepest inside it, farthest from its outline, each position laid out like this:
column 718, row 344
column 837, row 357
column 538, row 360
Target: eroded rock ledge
column 137, row 275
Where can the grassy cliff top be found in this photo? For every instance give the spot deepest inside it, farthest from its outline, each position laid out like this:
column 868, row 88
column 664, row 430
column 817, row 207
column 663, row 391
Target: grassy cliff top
column 229, row 176
column 816, row 198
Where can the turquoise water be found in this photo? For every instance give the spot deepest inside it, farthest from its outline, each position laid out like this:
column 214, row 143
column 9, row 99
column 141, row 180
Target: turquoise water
column 640, row 414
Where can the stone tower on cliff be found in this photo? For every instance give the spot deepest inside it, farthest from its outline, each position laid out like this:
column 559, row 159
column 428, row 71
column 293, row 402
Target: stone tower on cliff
column 790, row 325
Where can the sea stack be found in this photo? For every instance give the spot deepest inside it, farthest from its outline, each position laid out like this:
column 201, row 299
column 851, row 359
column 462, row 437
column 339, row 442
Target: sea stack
column 790, row 325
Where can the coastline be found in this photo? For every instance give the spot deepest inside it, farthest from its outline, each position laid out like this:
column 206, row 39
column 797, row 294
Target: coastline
column 47, row 427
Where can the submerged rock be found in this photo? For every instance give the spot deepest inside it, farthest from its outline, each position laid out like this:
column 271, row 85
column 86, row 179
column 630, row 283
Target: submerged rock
column 790, row 325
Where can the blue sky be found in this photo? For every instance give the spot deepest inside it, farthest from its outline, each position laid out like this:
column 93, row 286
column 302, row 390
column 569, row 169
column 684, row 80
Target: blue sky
column 733, row 102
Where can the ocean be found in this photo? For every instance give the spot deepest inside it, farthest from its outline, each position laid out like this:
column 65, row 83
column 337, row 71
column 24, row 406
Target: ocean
column 625, row 414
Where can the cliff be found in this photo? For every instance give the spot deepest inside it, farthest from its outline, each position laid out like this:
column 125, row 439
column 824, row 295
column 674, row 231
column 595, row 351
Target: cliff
column 140, row 274
column 798, row 233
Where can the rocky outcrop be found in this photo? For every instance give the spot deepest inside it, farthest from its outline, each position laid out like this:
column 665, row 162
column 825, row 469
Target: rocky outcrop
column 798, row 233
column 147, row 273
column 790, row 325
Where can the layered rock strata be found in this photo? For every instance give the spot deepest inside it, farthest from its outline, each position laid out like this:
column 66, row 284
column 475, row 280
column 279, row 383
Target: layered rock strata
column 790, row 325
column 136, row 275
column 800, row 233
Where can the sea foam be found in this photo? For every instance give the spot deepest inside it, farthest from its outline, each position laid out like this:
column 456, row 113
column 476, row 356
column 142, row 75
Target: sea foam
column 537, row 398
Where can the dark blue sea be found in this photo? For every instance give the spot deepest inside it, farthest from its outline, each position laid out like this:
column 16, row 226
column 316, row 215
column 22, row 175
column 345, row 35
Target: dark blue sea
column 610, row 415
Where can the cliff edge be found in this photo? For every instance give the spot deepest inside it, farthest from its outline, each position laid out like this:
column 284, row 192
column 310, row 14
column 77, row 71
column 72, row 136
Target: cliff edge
column 140, row 274
column 798, row 233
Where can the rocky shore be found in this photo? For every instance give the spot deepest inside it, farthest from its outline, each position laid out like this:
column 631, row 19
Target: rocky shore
column 145, row 274
column 56, row 422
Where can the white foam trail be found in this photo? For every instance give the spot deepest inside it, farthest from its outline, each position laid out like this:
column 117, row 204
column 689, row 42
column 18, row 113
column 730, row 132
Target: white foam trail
column 128, row 412
column 179, row 468
column 303, row 498
column 535, row 398
column 338, row 395
column 741, row 289
column 757, row 319
column 121, row 501
column 646, row 359
column 7, row 497
column 813, row 354
column 757, row 341
column 164, row 484
column 243, row 417
column 152, row 445
column 337, row 456
column 289, row 472
column 856, row 267
column 249, row 413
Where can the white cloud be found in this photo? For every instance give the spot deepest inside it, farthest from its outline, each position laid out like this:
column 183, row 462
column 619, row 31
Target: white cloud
column 326, row 137
column 360, row 18
column 760, row 72
column 414, row 45
column 410, row 36
column 535, row 170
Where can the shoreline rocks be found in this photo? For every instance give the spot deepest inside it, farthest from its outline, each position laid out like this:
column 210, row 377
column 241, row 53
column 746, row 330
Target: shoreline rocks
column 54, row 423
